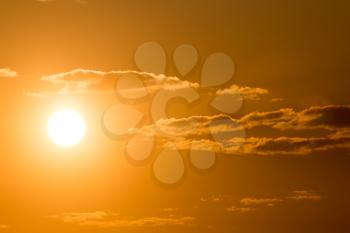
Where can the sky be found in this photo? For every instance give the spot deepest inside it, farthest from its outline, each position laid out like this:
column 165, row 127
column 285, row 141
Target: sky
column 201, row 116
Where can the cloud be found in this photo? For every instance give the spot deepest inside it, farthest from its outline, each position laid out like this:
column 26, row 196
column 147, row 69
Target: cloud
column 112, row 220
column 83, row 81
column 82, row 217
column 240, row 209
column 81, row 78
column 193, row 126
column 78, row 78
column 219, row 133
column 305, row 195
column 248, row 201
column 328, row 117
column 214, row 198
column 91, row 82
column 249, row 93
column 171, row 210
column 331, row 117
column 263, row 146
column 251, row 204
column 271, row 118
column 7, row 73
column 277, row 100
column 223, row 134
column 291, row 145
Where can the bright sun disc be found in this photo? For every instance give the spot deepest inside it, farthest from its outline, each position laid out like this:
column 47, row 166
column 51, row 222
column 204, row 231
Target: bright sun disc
column 66, row 128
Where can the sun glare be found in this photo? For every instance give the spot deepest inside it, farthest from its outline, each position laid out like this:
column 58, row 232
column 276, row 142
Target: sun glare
column 66, row 128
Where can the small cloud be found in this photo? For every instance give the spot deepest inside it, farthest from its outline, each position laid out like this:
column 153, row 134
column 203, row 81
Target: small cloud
column 305, row 195
column 241, row 209
column 277, row 100
column 213, row 198
column 250, row 204
column 249, row 93
column 81, row 217
column 194, row 127
column 7, row 73
column 248, row 201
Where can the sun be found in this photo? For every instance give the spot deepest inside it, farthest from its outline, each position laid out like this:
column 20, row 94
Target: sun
column 66, row 128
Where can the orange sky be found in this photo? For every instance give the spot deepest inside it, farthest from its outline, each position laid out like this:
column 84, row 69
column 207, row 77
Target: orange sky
column 271, row 157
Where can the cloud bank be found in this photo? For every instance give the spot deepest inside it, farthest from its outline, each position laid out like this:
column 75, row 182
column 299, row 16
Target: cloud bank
column 224, row 134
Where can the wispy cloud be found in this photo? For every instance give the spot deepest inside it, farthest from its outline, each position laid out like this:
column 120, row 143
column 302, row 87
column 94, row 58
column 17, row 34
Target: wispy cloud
column 249, row 93
column 240, row 209
column 290, row 145
column 248, row 201
column 305, row 195
column 331, row 117
column 193, row 126
column 83, row 81
column 86, row 81
column 251, row 204
column 7, row 73
column 264, row 146
column 103, row 219
column 214, row 198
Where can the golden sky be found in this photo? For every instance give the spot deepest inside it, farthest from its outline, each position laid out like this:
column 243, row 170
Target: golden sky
column 200, row 116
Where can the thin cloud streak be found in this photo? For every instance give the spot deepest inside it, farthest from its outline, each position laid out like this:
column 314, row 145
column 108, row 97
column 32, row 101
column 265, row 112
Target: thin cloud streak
column 249, row 93
column 103, row 219
column 252, row 204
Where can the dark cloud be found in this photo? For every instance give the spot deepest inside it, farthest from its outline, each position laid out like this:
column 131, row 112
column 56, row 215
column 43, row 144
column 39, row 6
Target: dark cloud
column 92, row 81
column 294, row 145
column 331, row 117
column 200, row 127
column 266, row 146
